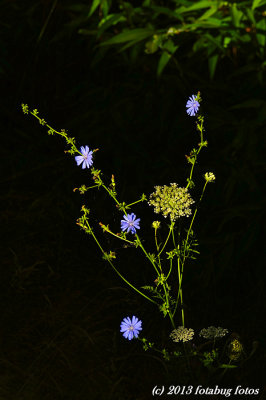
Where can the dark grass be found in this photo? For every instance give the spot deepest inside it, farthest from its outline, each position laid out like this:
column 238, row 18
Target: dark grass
column 61, row 305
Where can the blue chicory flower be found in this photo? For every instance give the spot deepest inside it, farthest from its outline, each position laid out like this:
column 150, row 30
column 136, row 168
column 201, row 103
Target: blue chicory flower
column 130, row 327
column 86, row 158
column 130, row 223
column 192, row 105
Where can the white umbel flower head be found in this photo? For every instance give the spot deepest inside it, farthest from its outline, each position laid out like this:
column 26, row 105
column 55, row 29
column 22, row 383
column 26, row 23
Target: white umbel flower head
column 171, row 200
column 212, row 333
column 182, row 334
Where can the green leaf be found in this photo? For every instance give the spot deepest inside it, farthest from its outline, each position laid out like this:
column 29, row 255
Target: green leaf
column 212, row 10
column 227, row 41
column 212, row 62
column 151, row 47
column 163, row 10
column 95, row 4
column 227, row 366
column 105, row 7
column 169, row 46
column 128, row 45
column 136, row 35
column 110, row 20
column 250, row 15
column 236, row 15
column 261, row 38
column 215, row 41
column 165, row 57
column 208, row 23
column 196, row 6
column 258, row 3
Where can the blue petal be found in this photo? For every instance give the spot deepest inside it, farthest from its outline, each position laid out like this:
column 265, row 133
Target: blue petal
column 130, row 335
column 79, row 159
column 123, row 328
column 126, row 334
column 138, row 326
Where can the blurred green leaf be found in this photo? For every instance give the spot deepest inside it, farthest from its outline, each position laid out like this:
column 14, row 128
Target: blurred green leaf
column 110, row 20
column 236, row 15
column 226, row 41
column 261, row 38
column 250, row 15
column 212, row 10
column 137, row 35
column 170, row 46
column 151, row 47
column 258, row 3
column 163, row 10
column 165, row 57
column 209, row 23
column 94, row 5
column 212, row 61
column 169, row 49
column 196, row 6
column 227, row 366
column 216, row 41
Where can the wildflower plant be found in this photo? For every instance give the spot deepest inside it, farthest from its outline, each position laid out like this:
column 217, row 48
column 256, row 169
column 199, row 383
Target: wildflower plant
column 174, row 202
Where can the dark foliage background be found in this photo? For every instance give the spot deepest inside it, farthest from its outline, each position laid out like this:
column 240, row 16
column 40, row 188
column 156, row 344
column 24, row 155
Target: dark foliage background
column 61, row 305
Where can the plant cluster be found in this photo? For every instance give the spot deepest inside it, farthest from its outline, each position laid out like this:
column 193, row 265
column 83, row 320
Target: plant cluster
column 171, row 201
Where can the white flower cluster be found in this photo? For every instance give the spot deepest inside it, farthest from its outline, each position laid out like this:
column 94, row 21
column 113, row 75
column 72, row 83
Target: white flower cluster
column 171, row 200
column 182, row 334
column 212, row 333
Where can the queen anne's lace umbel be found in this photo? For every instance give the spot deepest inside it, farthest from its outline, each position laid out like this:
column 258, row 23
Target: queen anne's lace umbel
column 182, row 334
column 212, row 333
column 171, row 200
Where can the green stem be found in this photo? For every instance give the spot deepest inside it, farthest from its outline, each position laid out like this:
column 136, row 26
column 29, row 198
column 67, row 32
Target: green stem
column 147, row 255
column 170, row 269
column 192, row 221
column 180, row 277
column 170, row 231
column 202, row 144
column 157, row 248
column 118, row 273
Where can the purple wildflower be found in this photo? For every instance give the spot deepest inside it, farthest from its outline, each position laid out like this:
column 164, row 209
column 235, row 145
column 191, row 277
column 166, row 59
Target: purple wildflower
column 130, row 327
column 130, row 223
column 192, row 105
column 86, row 158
